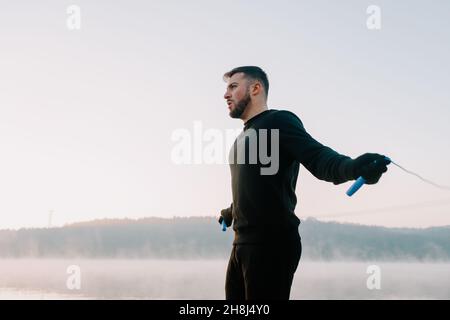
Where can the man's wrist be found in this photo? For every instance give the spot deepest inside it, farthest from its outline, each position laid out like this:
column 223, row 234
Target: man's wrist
column 348, row 169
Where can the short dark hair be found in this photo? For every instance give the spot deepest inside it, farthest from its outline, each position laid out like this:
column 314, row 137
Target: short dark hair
column 252, row 72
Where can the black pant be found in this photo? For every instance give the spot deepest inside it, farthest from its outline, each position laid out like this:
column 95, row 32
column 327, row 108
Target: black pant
column 262, row 271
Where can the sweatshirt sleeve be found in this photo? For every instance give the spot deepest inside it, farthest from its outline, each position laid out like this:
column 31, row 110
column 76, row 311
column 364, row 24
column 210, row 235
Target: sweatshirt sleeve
column 323, row 162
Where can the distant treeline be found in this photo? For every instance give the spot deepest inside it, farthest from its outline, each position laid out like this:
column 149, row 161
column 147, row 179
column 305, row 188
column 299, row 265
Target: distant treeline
column 201, row 237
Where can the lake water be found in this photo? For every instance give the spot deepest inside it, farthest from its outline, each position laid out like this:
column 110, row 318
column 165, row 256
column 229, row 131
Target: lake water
column 204, row 279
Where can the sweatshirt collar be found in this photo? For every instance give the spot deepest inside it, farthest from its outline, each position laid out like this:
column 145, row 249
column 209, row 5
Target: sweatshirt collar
column 252, row 119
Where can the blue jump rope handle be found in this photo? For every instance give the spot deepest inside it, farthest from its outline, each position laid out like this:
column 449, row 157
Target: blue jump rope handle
column 224, row 226
column 360, row 182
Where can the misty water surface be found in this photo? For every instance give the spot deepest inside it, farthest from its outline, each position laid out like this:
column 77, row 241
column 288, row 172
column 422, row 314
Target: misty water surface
column 204, row 279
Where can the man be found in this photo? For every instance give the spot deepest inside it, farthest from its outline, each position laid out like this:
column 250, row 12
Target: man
column 267, row 245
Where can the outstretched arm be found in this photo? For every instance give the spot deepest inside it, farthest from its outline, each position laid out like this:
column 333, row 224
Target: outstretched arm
column 322, row 161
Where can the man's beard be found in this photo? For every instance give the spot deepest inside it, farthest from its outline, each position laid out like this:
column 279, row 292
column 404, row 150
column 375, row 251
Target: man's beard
column 240, row 107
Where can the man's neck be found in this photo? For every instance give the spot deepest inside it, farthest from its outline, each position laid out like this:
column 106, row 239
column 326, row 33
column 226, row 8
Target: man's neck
column 253, row 112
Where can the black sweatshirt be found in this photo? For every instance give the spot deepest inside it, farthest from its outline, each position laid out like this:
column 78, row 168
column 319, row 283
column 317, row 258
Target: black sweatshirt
column 264, row 204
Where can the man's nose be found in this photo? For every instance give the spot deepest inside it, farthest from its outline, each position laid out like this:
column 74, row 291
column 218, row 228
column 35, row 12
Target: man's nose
column 227, row 95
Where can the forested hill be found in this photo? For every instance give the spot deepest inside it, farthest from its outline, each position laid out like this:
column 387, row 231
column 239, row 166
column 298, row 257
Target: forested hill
column 201, row 237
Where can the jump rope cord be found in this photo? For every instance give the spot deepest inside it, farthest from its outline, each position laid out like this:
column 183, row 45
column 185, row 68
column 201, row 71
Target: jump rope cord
column 400, row 207
column 423, row 179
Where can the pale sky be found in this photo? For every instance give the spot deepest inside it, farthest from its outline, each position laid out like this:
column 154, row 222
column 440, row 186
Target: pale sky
column 86, row 116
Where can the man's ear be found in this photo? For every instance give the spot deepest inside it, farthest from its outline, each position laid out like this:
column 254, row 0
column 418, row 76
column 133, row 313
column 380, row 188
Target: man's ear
column 256, row 88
